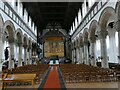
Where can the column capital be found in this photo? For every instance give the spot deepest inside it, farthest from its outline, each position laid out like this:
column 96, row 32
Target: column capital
column 25, row 46
column 86, row 42
column 102, row 34
column 92, row 39
column 81, row 45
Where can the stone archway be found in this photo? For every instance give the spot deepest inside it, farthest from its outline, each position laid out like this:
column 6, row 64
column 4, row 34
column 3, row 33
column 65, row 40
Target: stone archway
column 103, row 22
column 10, row 29
column 92, row 30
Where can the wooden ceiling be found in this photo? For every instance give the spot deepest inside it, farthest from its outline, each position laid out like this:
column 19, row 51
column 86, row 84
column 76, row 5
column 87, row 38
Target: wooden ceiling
column 43, row 13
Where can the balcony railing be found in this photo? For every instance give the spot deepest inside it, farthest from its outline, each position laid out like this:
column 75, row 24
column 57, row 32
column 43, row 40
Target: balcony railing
column 11, row 13
column 97, row 6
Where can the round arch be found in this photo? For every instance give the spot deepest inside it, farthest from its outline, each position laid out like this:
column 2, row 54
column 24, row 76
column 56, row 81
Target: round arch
column 92, row 30
column 10, row 30
column 19, row 36
column 25, row 40
column 103, row 20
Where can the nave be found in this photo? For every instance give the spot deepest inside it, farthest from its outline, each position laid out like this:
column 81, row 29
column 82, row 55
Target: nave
column 62, row 76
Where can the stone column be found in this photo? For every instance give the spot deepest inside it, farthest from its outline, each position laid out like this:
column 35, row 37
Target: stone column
column 77, row 55
column 20, row 56
column 92, row 50
column 104, row 59
column 81, row 57
column 86, row 54
column 119, row 47
column 93, row 60
column 11, row 60
column 30, row 55
column 118, row 29
column 74, row 55
column 25, row 55
column 1, row 48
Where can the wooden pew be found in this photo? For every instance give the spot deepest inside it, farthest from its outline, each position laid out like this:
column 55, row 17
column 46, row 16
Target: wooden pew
column 11, row 78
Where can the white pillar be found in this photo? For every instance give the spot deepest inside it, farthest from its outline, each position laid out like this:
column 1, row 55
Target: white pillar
column 1, row 49
column 25, row 56
column 11, row 60
column 74, row 55
column 104, row 61
column 92, row 48
column 30, row 54
column 119, row 47
column 77, row 54
column 118, row 29
column 86, row 54
column 81, row 57
column 20, row 56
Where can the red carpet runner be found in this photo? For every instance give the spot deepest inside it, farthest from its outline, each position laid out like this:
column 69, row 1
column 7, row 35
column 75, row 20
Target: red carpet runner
column 53, row 79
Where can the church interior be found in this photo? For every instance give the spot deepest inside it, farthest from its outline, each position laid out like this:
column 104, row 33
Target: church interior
column 60, row 45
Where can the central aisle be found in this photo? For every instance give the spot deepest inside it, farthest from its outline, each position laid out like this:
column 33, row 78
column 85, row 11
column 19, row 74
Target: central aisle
column 53, row 80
